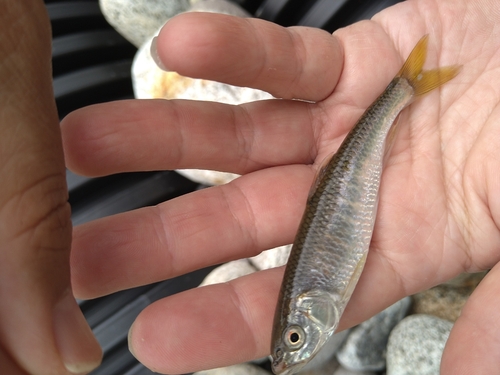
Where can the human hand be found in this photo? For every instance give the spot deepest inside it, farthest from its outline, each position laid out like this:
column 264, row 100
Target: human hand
column 42, row 330
column 438, row 212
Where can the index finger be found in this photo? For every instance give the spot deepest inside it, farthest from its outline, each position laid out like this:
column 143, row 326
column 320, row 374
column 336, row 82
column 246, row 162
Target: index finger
column 296, row 62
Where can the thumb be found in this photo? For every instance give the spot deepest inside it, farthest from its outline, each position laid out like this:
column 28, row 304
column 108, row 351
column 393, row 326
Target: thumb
column 42, row 329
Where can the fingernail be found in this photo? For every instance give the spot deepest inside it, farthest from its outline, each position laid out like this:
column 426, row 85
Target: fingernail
column 154, row 54
column 79, row 350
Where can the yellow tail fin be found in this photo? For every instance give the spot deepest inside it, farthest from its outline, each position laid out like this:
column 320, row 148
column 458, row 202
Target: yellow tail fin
column 424, row 81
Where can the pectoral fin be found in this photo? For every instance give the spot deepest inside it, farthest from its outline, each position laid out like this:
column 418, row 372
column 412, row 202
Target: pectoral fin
column 321, row 308
column 354, row 278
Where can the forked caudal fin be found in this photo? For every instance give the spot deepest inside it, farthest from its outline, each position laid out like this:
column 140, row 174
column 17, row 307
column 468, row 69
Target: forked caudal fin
column 424, row 81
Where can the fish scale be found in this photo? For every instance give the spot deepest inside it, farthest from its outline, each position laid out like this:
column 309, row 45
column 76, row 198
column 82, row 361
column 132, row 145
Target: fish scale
column 334, row 235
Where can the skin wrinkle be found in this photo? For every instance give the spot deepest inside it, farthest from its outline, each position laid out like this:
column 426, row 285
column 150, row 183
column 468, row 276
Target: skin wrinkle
column 466, row 221
column 249, row 232
column 320, row 120
column 180, row 140
column 242, row 307
column 479, row 201
column 392, row 264
column 325, row 126
column 449, row 195
column 180, row 222
column 340, row 58
column 473, row 201
column 227, row 204
column 245, row 126
column 300, row 59
column 169, row 247
column 430, row 16
column 446, row 201
column 441, row 222
column 393, row 261
column 346, row 99
column 13, row 44
column 250, row 141
column 314, row 129
column 263, row 69
column 476, row 7
column 58, row 209
column 486, row 198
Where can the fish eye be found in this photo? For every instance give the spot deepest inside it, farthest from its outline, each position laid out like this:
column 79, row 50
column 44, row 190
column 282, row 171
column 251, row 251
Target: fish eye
column 294, row 337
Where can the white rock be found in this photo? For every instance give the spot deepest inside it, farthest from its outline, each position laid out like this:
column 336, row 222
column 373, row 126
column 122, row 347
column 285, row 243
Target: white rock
column 137, row 20
column 416, row 345
column 242, row 369
column 207, row 177
column 218, row 6
column 229, row 271
column 271, row 258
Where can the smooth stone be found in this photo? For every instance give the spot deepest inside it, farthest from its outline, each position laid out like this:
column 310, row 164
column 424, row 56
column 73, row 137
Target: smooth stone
column 153, row 83
column 271, row 258
column 365, row 348
column 208, row 177
column 229, row 271
column 443, row 301
column 138, row 20
column 416, row 345
column 242, row 369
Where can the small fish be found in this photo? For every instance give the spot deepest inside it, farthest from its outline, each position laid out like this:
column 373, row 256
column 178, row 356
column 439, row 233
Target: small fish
column 332, row 242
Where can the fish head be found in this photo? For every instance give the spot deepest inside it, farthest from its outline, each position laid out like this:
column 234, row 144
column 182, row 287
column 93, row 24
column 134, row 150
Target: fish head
column 312, row 318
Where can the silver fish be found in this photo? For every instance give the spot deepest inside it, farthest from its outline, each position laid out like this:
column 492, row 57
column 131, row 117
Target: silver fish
column 333, row 239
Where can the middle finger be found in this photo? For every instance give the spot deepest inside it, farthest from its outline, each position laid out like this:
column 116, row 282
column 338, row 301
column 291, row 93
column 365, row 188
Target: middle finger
column 139, row 135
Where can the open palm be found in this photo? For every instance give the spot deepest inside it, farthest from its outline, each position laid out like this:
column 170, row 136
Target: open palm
column 439, row 209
